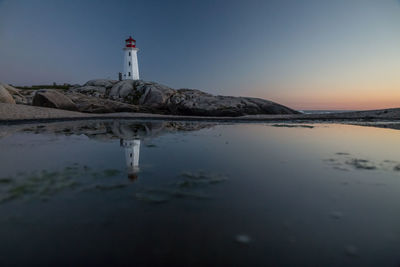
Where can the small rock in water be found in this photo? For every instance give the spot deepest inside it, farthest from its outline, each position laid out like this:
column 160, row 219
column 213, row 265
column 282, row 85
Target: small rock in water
column 243, row 239
column 396, row 168
column 342, row 153
column 351, row 251
column 361, row 164
column 336, row 215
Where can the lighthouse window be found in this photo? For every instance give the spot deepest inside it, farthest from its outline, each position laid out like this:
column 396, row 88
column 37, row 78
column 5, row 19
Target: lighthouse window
column 129, row 53
column 129, row 63
column 129, row 74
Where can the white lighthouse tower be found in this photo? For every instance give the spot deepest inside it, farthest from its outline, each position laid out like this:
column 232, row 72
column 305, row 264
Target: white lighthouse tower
column 131, row 68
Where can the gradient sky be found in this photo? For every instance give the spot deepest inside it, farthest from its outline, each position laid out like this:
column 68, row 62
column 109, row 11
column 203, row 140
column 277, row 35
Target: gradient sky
column 307, row 54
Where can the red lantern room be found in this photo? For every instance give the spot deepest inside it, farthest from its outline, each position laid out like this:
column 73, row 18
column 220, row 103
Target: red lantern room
column 130, row 42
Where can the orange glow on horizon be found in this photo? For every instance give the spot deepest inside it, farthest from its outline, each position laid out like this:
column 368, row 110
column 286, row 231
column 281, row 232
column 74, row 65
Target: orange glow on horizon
column 336, row 99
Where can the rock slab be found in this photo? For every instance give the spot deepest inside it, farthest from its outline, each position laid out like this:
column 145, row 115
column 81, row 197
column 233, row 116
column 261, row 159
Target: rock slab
column 5, row 96
column 53, row 99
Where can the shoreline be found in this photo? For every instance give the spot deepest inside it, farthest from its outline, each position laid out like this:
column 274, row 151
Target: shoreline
column 11, row 114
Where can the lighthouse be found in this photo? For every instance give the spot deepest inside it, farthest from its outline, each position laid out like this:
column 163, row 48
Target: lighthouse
column 131, row 68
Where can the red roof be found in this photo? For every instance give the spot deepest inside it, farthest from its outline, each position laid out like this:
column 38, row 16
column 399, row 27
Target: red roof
column 130, row 39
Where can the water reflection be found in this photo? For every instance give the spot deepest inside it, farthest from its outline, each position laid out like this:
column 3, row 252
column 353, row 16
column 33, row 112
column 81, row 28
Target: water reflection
column 132, row 150
column 243, row 194
column 131, row 134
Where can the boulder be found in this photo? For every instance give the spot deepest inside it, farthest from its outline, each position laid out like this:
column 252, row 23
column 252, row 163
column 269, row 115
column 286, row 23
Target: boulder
column 101, row 83
column 5, row 96
column 16, row 94
column 53, row 99
column 12, row 90
column 153, row 94
column 142, row 93
column 122, row 90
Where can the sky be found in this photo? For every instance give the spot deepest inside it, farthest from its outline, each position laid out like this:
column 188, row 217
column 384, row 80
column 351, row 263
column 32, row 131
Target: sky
column 306, row 54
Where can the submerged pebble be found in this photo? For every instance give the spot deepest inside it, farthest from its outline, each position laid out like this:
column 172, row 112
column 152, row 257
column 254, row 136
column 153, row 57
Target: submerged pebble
column 396, row 168
column 351, row 251
column 243, row 239
column 5, row 180
column 361, row 164
column 336, row 215
column 152, row 198
column 151, row 145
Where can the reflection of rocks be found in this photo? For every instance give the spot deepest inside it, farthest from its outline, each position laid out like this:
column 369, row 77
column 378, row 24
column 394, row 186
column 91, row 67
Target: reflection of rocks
column 130, row 134
column 293, row 126
column 77, row 178
column 382, row 124
column 108, row 129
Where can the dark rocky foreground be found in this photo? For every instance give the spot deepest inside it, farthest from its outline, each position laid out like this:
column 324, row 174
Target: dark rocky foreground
column 110, row 96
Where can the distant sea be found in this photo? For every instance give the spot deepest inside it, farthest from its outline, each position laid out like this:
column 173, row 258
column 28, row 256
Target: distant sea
column 323, row 111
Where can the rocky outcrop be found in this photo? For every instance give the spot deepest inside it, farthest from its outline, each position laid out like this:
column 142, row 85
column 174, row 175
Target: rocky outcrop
column 159, row 98
column 53, row 99
column 5, row 96
column 195, row 102
column 90, row 104
column 108, row 96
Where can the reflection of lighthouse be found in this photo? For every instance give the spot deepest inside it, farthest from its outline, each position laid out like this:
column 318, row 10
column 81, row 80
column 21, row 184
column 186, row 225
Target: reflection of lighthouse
column 132, row 149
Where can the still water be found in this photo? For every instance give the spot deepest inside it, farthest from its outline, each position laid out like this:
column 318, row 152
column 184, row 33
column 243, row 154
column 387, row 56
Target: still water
column 175, row 193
